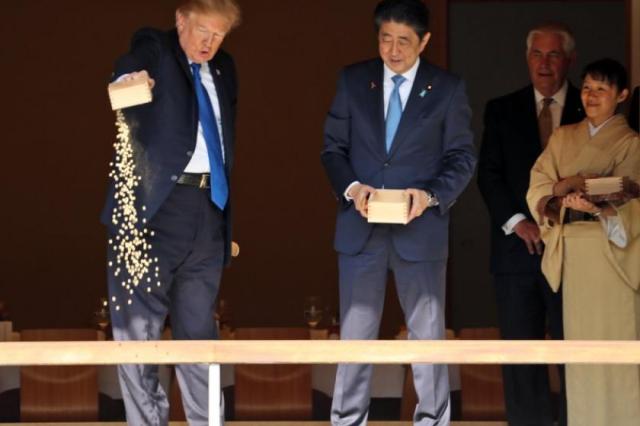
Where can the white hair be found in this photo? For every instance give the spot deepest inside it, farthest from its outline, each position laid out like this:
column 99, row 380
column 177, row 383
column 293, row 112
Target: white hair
column 568, row 41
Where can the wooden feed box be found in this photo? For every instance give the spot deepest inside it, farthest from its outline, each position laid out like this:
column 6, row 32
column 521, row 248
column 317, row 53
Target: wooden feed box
column 125, row 94
column 389, row 206
column 603, row 185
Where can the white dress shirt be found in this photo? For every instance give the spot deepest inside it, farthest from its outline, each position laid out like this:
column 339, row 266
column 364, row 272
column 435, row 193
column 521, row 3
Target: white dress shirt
column 405, row 87
column 199, row 162
column 555, row 107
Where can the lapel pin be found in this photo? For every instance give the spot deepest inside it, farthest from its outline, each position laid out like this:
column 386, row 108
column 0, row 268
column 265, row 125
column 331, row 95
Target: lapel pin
column 425, row 90
column 218, row 71
column 373, row 85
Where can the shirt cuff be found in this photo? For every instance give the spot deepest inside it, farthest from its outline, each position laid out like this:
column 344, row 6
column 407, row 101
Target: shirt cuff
column 615, row 231
column 122, row 77
column 509, row 226
column 346, row 191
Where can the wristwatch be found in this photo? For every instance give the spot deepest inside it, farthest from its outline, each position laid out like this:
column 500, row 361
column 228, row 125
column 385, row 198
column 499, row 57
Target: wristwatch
column 432, row 200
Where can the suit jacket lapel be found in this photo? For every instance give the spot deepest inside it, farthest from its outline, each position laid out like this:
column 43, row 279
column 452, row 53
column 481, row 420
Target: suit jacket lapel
column 374, row 103
column 417, row 104
column 183, row 62
column 181, row 57
column 572, row 112
column 529, row 119
column 225, row 108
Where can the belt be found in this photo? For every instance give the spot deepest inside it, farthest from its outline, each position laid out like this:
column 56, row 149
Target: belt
column 571, row 216
column 200, row 180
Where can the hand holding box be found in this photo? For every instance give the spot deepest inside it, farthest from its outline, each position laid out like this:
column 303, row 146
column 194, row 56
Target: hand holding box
column 389, row 206
column 131, row 92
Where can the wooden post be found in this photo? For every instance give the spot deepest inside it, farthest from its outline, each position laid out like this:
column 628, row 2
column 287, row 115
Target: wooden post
column 214, row 395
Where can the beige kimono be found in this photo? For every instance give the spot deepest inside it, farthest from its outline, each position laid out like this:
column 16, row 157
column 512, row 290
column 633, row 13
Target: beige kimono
column 599, row 279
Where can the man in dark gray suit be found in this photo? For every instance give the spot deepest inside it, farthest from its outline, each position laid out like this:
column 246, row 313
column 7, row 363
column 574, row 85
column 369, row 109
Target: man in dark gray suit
column 516, row 129
column 396, row 122
column 183, row 146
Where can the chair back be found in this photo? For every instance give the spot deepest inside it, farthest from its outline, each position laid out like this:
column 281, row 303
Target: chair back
column 273, row 392
column 6, row 330
column 59, row 393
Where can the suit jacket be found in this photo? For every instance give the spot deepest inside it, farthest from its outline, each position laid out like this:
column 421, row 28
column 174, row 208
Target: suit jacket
column 164, row 131
column 510, row 147
column 432, row 150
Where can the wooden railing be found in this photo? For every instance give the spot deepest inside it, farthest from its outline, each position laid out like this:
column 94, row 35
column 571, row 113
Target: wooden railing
column 316, row 352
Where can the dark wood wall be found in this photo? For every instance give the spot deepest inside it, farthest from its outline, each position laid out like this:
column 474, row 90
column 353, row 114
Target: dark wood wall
column 58, row 130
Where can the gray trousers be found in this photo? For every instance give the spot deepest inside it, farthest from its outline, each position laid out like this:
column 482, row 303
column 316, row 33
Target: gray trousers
column 421, row 290
column 188, row 243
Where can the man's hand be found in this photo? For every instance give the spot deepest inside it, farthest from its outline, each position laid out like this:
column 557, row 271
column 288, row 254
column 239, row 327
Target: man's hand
column 138, row 75
column 530, row 234
column 419, row 202
column 360, row 194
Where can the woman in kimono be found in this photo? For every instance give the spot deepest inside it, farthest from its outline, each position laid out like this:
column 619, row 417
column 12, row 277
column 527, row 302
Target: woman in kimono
column 593, row 248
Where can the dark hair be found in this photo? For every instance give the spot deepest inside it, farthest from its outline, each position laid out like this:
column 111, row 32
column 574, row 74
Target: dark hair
column 607, row 70
column 413, row 13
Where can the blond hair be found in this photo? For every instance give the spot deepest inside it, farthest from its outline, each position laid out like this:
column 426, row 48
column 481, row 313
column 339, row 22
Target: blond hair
column 228, row 9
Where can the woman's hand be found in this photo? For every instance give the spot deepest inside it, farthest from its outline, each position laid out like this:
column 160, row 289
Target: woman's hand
column 569, row 185
column 576, row 201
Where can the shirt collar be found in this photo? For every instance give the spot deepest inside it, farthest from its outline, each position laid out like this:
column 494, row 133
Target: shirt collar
column 409, row 74
column 559, row 97
column 204, row 66
column 593, row 129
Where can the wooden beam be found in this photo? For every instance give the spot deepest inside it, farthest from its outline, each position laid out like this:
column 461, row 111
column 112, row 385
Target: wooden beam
column 320, row 352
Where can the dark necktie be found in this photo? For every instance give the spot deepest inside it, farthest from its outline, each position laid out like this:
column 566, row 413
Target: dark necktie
column 394, row 110
column 545, row 123
column 219, row 187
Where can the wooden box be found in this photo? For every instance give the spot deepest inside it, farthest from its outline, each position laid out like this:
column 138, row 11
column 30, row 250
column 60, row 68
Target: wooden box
column 603, row 185
column 125, row 94
column 389, row 206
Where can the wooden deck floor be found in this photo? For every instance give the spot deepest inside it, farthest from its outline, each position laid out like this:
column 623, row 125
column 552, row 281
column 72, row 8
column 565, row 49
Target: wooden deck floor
column 258, row 424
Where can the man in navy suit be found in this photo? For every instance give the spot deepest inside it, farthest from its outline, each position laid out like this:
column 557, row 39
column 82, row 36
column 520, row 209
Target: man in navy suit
column 183, row 149
column 396, row 122
column 517, row 127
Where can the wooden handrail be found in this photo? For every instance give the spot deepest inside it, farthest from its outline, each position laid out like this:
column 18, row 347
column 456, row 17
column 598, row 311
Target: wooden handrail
column 321, row 352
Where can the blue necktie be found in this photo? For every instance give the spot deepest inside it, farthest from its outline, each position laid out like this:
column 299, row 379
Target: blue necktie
column 219, row 187
column 394, row 111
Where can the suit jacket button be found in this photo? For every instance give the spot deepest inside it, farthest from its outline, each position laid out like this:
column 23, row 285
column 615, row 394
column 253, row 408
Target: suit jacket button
column 174, row 178
column 386, row 164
